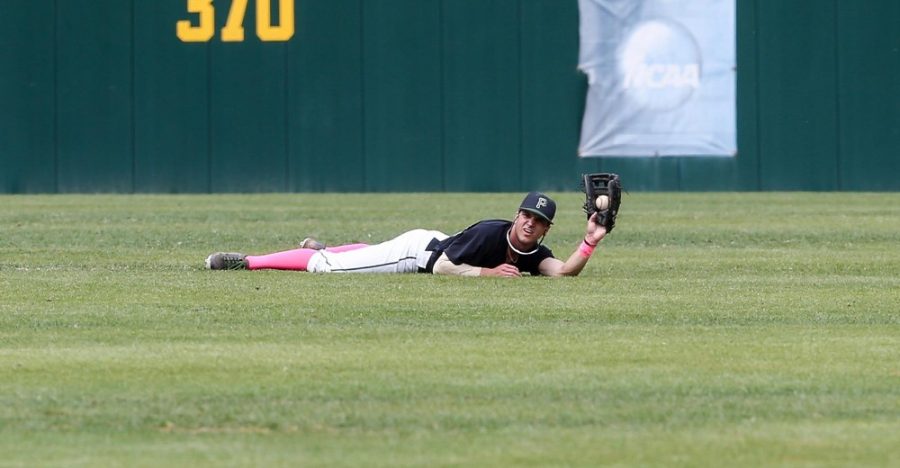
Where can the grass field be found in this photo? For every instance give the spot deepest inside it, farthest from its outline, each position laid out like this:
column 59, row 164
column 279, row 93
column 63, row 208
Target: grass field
column 708, row 330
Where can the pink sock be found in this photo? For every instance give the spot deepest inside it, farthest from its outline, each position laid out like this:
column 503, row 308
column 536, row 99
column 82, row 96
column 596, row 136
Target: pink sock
column 296, row 259
column 346, row 248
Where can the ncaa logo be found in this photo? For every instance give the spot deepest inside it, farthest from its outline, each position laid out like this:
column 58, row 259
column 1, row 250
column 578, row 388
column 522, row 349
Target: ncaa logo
column 659, row 64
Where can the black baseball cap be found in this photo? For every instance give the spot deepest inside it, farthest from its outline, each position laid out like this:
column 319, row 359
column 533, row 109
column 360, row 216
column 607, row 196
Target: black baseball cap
column 539, row 204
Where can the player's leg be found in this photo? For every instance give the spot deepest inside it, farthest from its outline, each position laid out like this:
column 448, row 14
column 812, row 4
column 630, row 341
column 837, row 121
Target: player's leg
column 403, row 254
column 295, row 259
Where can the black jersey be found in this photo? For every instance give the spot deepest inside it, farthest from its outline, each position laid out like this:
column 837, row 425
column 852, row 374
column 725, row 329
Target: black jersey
column 484, row 244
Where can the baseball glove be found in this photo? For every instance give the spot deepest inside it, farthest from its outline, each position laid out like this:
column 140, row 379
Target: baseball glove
column 602, row 185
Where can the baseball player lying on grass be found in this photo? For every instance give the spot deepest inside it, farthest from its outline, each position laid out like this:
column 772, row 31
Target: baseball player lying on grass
column 486, row 248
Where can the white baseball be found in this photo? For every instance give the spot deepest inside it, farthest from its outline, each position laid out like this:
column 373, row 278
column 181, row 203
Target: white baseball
column 602, row 202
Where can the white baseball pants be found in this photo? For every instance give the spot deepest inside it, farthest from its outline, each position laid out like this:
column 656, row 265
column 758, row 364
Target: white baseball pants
column 403, row 254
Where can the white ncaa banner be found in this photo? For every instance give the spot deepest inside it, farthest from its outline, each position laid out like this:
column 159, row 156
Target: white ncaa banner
column 661, row 77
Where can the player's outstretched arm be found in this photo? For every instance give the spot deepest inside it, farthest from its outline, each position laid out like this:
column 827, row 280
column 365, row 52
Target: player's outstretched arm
column 594, row 233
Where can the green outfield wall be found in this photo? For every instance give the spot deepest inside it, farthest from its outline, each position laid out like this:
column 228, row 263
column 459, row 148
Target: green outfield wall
column 186, row 96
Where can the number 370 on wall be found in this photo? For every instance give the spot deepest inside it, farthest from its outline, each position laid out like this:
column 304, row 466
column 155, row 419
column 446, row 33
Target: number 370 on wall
column 233, row 31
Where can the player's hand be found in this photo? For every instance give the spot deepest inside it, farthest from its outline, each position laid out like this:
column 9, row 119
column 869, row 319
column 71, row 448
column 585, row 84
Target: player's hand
column 594, row 232
column 505, row 269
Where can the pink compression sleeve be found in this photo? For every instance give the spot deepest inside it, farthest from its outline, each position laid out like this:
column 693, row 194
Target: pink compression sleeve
column 296, row 259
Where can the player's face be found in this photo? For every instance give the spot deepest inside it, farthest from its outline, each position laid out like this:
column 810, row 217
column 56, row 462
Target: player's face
column 528, row 228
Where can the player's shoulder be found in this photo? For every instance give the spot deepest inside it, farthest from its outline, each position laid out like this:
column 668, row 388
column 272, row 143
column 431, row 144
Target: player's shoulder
column 492, row 224
column 484, row 229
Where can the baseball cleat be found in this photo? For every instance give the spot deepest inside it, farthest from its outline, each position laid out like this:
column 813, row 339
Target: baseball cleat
column 227, row 261
column 310, row 243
